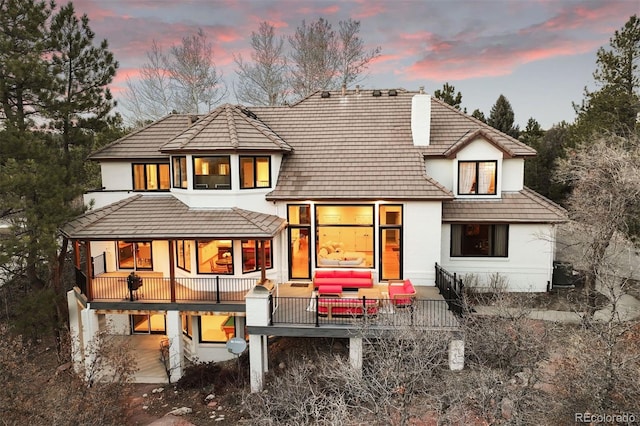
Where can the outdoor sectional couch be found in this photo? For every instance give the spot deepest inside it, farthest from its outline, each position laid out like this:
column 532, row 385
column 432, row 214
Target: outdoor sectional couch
column 347, row 279
column 346, row 306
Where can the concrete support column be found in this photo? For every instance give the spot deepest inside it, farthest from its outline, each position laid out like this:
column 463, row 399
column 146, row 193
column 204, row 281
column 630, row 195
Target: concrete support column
column 240, row 326
column 75, row 331
column 258, row 308
column 174, row 334
column 456, row 354
column 90, row 330
column 355, row 353
column 257, row 360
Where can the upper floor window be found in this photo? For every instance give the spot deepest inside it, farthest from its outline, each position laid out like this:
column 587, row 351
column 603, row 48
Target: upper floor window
column 150, row 177
column 255, row 172
column 477, row 177
column 180, row 172
column 212, row 172
column 479, row 240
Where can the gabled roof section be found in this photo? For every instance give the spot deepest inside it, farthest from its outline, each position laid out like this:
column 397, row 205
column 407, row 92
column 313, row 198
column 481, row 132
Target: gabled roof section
column 524, row 206
column 451, row 130
column 145, row 142
column 227, row 128
column 473, row 135
column 166, row 217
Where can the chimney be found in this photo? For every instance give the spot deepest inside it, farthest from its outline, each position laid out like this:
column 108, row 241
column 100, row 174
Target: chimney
column 344, row 89
column 357, row 89
column 421, row 118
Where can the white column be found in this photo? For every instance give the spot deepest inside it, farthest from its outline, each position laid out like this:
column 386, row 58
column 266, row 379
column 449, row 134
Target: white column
column 174, row 334
column 75, row 323
column 355, row 353
column 90, row 329
column 456, row 354
column 256, row 361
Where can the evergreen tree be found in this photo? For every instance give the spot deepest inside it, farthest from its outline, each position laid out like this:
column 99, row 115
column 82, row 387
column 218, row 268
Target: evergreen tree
column 448, row 94
column 502, row 117
column 615, row 106
column 23, row 69
column 479, row 115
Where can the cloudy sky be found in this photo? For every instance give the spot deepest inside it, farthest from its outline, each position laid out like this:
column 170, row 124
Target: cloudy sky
column 539, row 53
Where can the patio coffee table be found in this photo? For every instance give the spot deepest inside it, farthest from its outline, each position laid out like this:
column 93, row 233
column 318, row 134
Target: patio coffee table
column 370, row 293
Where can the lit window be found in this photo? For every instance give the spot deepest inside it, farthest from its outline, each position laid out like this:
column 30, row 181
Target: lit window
column 477, row 177
column 212, row 172
column 215, row 257
column 255, row 172
column 150, row 177
column 180, row 172
column 251, row 255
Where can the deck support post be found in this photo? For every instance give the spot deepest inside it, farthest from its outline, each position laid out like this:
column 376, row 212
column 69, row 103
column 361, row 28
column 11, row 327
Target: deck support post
column 355, row 353
column 258, row 355
column 174, row 334
column 90, row 330
column 75, row 330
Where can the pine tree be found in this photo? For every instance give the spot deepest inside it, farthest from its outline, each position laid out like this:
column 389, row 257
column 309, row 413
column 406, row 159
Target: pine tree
column 502, row 117
column 448, row 94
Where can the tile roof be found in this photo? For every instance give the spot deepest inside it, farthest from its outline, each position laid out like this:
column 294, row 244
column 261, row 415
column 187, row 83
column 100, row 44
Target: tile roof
column 228, row 127
column 350, row 147
column 451, row 127
column 524, row 206
column 164, row 216
column 145, row 142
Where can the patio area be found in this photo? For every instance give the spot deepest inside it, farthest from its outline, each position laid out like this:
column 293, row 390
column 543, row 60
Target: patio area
column 146, row 349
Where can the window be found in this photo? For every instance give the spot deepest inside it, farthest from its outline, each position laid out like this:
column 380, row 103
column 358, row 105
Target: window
column 479, row 240
column 251, row 255
column 138, row 252
column 255, row 172
column 216, row 328
column 212, row 172
column 186, row 326
column 344, row 236
column 215, row 257
column 180, row 172
column 183, row 255
column 477, row 177
column 150, row 177
column 299, row 218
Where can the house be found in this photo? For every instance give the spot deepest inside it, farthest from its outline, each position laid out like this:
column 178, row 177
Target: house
column 203, row 208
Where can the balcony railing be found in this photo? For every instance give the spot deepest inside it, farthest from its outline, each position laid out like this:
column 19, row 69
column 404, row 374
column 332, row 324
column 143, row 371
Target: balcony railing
column 303, row 311
column 213, row 289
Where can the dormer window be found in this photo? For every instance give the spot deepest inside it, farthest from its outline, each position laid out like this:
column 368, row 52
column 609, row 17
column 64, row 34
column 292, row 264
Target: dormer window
column 180, row 172
column 255, row 172
column 212, row 172
column 477, row 177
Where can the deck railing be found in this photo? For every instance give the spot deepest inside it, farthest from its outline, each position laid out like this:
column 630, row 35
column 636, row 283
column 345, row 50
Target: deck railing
column 451, row 288
column 213, row 289
column 421, row 313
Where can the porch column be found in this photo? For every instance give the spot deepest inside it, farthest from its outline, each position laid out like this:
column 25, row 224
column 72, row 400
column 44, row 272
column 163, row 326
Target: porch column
column 456, row 353
column 76, row 254
column 75, row 330
column 176, row 346
column 355, row 353
column 172, row 272
column 90, row 330
column 87, row 249
column 263, row 265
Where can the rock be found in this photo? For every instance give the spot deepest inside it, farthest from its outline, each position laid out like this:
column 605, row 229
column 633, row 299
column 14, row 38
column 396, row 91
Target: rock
column 281, row 366
column 212, row 404
column 219, row 419
column 145, row 407
column 157, row 390
column 63, row 367
column 506, row 407
column 144, row 395
column 209, row 397
column 181, row 411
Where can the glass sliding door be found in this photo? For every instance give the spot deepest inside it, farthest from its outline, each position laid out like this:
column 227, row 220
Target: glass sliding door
column 299, row 217
column 148, row 324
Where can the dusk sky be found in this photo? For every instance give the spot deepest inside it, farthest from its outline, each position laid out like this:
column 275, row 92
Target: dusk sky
column 540, row 54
